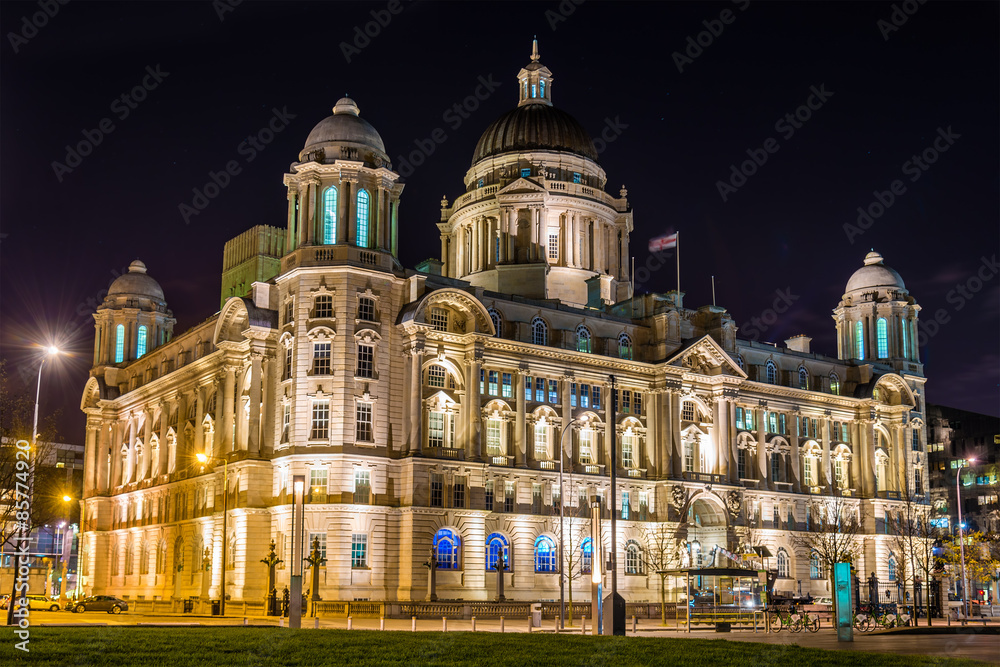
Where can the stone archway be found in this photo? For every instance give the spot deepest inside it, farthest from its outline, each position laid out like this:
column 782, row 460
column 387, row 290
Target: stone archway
column 706, row 526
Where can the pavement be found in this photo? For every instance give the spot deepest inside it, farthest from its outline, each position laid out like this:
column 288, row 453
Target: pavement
column 975, row 645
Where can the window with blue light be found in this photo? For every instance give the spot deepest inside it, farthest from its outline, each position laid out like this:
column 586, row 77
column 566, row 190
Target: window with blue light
column 539, row 390
column 447, row 549
column 541, row 87
column 363, row 199
column 587, row 553
column 480, row 183
column 583, row 339
column 526, row 172
column 527, row 388
column 506, row 389
column 525, row 92
column 892, row 568
column 330, row 215
column 140, row 348
column 534, row 91
column 882, row 338
column 119, row 343
column 495, row 545
column 546, row 554
column 584, row 395
column 577, row 178
column 859, row 339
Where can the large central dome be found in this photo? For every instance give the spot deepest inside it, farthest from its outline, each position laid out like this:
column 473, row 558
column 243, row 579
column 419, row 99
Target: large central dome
column 534, row 127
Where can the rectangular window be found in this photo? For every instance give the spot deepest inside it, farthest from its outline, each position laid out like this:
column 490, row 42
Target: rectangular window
column 508, row 496
column 526, row 172
column 435, row 429
column 527, row 388
column 643, row 505
column 359, row 550
column 775, row 467
column 362, row 486
column 320, row 539
column 540, row 390
column 584, row 395
column 436, row 376
column 628, row 450
column 586, row 446
column 553, row 392
column 576, row 177
column 741, row 464
column 688, row 457
column 918, row 481
column 553, row 246
column 772, row 422
column 437, row 491
column 836, row 431
column 288, row 364
column 781, row 424
column 916, row 440
column 840, row 473
column 320, row 429
column 323, row 306
column 286, row 420
column 637, row 403
column 541, row 441
column 739, row 419
column 366, row 309
column 363, row 431
column 458, row 492
column 494, row 445
column 506, row 387
column 321, row 358
column 317, row 481
column 596, row 396
column 488, row 496
column 626, row 401
column 439, row 319
column 482, row 381
column 536, row 498
column 807, row 474
column 494, row 378
column 687, row 412
column 815, row 430
column 366, row 361
column 572, row 394
column 289, row 312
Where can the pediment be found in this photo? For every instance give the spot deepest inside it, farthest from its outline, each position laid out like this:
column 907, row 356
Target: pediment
column 706, row 357
column 521, row 186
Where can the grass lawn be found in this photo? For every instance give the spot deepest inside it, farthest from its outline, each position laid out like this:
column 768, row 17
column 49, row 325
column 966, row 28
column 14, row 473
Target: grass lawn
column 222, row 647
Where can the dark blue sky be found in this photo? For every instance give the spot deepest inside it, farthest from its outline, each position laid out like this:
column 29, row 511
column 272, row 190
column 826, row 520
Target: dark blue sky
column 886, row 95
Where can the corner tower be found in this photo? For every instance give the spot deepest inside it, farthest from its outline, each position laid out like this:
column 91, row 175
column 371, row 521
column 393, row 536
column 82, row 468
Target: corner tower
column 534, row 219
column 132, row 321
column 877, row 318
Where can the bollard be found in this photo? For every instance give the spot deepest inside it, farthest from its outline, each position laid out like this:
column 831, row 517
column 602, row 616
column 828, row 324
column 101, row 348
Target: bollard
column 633, row 624
column 281, row 621
column 381, row 624
column 316, row 623
column 413, row 624
column 501, row 624
column 583, row 623
column 473, row 623
column 350, row 622
column 529, row 625
column 444, row 624
column 244, row 621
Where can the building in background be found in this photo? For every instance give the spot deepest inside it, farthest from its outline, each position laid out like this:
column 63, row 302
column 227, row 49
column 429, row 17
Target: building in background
column 425, row 408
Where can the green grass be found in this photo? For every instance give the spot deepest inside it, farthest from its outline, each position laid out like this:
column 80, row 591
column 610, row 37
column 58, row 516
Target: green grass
column 222, row 647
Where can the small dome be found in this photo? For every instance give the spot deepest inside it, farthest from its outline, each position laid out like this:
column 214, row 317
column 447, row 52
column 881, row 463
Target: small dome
column 137, row 283
column 345, row 129
column 534, row 127
column 875, row 274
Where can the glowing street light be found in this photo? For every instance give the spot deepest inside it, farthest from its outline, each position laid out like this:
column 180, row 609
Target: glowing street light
column 961, row 537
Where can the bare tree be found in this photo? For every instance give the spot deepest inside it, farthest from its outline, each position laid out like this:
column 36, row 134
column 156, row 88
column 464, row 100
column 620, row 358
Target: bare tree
column 660, row 555
column 576, row 531
column 913, row 534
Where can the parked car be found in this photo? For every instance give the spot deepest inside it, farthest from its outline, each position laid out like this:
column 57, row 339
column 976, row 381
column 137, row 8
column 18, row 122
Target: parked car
column 108, row 603
column 34, row 602
column 823, row 600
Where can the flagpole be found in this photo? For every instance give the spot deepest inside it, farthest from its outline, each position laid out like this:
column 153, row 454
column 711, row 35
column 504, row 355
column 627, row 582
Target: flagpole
column 632, row 299
column 678, row 253
column 713, row 290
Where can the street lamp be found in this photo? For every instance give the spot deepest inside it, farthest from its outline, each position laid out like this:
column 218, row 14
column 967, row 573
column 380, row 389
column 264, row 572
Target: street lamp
column 204, row 458
column 961, row 537
column 64, row 581
column 562, row 505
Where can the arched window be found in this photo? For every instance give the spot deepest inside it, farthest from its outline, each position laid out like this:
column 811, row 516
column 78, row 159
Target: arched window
column 144, row 557
column 834, row 384
column 784, row 565
column 330, row 215
column 687, row 411
column 586, row 556
column 129, row 557
column 363, row 218
column 119, row 343
column 905, row 326
column 583, row 339
column 161, row 557
column 140, row 348
column 628, row 448
column 495, row 545
column 539, row 331
column 772, row 373
column 859, row 339
column 815, row 566
column 892, row 568
column 541, row 87
column 881, row 338
column 546, row 554
column 497, row 321
column 625, row 346
column 739, row 362
column 633, row 558
column 447, row 549
column 803, row 378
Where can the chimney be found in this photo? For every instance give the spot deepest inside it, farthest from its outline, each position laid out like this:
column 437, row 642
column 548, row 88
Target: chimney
column 799, row 343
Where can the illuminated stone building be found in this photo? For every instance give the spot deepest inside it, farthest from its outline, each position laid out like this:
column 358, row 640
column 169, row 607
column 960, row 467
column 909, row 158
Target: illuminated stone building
column 425, row 407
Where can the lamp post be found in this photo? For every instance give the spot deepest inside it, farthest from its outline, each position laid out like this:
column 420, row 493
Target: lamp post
column 204, row 458
column 67, row 547
column 298, row 524
column 961, row 538
column 50, row 351
column 562, row 505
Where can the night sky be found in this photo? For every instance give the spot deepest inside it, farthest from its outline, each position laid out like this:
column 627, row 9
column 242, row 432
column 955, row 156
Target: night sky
column 679, row 115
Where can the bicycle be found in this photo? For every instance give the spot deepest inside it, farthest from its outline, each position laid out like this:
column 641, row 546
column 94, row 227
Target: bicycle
column 791, row 621
column 810, row 623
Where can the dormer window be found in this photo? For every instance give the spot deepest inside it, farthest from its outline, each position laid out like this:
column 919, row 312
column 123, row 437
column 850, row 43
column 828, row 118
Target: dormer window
column 577, row 178
column 525, row 173
column 480, row 183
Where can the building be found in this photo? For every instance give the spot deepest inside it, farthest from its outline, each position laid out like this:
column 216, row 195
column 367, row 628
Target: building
column 426, row 408
column 957, row 437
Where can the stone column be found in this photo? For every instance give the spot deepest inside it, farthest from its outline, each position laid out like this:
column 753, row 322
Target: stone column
column 228, row 402
column 181, row 449
column 164, row 427
column 290, row 233
column 199, row 418
column 343, row 210
column 444, row 255
column 608, row 427
column 826, row 478
column 473, row 364
column 653, row 433
column 116, row 456
column 763, row 471
column 520, row 451
column 218, row 442
column 866, row 449
column 306, row 229
column 567, row 415
column 416, row 404
column 147, row 449
column 796, row 456
column 253, row 426
column 90, row 476
column 676, row 445
column 269, row 405
column 722, row 438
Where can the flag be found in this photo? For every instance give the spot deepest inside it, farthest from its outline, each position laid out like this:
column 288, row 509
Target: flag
column 663, row 242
